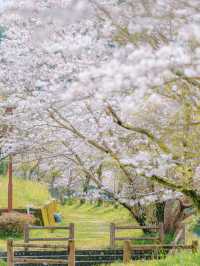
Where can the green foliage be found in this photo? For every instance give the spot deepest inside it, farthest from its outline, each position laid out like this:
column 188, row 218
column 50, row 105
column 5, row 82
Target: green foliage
column 181, row 259
column 3, row 167
column 169, row 238
column 3, row 263
column 159, row 211
column 123, row 36
column 70, row 201
column 194, row 226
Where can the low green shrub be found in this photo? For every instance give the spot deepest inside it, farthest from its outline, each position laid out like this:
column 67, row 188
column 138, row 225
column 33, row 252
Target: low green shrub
column 12, row 224
column 180, row 259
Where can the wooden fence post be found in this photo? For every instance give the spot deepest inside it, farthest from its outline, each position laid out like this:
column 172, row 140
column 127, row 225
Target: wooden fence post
column 71, row 231
column 127, row 252
column 161, row 232
column 71, row 253
column 26, row 235
column 183, row 234
column 195, row 245
column 10, row 253
column 112, row 235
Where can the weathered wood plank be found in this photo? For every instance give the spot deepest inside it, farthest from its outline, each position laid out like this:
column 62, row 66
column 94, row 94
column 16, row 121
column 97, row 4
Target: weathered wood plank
column 48, row 227
column 127, row 252
column 161, row 233
column 37, row 261
column 112, row 235
column 72, row 253
column 10, row 252
column 136, row 227
column 29, row 245
column 71, row 231
column 26, row 234
column 50, row 239
column 136, row 238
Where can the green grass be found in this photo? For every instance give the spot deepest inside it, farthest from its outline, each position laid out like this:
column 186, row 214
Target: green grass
column 91, row 225
column 25, row 193
column 3, row 263
column 181, row 259
column 91, row 222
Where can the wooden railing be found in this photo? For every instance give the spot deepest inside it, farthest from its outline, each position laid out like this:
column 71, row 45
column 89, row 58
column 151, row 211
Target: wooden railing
column 114, row 228
column 12, row 260
column 69, row 236
column 128, row 249
column 69, row 245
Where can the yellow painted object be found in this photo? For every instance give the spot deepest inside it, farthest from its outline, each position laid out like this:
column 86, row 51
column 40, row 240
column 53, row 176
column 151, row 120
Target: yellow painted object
column 45, row 217
column 48, row 211
column 51, row 211
column 55, row 205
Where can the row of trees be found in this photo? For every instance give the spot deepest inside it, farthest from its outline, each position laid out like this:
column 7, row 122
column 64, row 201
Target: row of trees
column 107, row 93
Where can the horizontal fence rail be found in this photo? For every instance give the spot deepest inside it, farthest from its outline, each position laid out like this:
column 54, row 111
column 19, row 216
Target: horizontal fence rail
column 64, row 253
column 49, row 227
column 98, row 257
column 69, row 236
column 12, row 259
column 69, row 246
column 50, row 246
column 128, row 249
column 114, row 228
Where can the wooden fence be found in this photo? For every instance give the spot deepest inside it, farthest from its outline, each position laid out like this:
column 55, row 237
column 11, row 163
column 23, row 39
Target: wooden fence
column 69, row 247
column 61, row 255
column 129, row 249
column 12, row 260
column 114, row 228
column 69, row 233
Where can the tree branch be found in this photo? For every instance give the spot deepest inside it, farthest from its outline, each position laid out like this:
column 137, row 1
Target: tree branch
column 105, row 149
column 142, row 131
column 191, row 193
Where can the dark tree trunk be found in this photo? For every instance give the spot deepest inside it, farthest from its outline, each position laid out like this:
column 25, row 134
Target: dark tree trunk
column 139, row 215
column 159, row 212
column 85, row 188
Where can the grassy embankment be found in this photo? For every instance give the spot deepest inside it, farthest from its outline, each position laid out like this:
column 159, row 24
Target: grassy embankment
column 91, row 222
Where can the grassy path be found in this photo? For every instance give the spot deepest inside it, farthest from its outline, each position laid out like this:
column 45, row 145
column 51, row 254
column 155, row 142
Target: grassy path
column 92, row 225
column 91, row 222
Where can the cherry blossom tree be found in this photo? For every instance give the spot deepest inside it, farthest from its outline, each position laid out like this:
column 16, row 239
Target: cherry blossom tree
column 112, row 87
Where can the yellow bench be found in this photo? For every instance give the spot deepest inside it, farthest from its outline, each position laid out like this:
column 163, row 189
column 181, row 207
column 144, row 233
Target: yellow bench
column 48, row 212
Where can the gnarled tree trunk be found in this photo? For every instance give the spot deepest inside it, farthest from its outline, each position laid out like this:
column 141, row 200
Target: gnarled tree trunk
column 175, row 212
